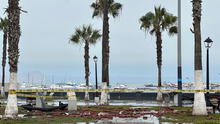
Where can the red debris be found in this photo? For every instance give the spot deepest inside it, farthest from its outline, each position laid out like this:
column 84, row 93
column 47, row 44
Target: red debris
column 99, row 112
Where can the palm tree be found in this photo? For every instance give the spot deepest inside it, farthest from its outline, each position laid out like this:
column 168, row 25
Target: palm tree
column 199, row 107
column 4, row 27
column 101, row 8
column 13, row 55
column 87, row 36
column 155, row 23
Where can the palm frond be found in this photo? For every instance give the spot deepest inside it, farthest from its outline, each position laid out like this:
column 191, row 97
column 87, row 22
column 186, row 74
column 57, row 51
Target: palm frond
column 4, row 22
column 89, row 30
column 159, row 20
column 75, row 39
column 173, row 30
column 95, row 36
column 78, row 31
column 97, row 9
column 86, row 33
column 147, row 21
column 169, row 20
column 113, row 8
column 152, row 31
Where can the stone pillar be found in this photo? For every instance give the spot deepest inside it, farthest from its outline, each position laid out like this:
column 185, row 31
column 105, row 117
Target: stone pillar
column 96, row 100
column 104, row 95
column 175, row 99
column 86, row 97
column 40, row 101
column 72, row 101
column 159, row 95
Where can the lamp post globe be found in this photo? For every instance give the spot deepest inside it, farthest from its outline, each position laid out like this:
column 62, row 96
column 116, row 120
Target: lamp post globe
column 95, row 58
column 208, row 43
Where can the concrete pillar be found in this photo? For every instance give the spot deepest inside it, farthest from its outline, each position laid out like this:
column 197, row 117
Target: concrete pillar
column 96, row 100
column 86, row 99
column 72, row 101
column 175, row 99
column 39, row 102
column 104, row 95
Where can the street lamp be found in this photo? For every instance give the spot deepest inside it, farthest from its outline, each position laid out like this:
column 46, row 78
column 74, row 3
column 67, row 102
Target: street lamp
column 95, row 58
column 208, row 43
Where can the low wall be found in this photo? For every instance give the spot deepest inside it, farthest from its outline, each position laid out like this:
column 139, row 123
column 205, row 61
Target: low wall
column 138, row 96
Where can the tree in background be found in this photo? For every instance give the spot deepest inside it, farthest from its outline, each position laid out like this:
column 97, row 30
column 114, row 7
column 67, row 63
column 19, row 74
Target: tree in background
column 102, row 8
column 4, row 27
column 155, row 23
column 86, row 35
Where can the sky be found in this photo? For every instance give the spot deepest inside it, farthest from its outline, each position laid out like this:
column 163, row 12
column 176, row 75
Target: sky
column 46, row 55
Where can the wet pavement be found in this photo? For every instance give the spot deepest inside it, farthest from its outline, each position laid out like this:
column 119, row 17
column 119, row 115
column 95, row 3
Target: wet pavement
column 134, row 115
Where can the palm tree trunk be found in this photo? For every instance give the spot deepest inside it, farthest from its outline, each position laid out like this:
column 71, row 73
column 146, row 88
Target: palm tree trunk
column 199, row 106
column 159, row 63
column 4, row 62
column 159, row 76
column 86, row 57
column 105, row 45
column 13, row 55
column 159, row 56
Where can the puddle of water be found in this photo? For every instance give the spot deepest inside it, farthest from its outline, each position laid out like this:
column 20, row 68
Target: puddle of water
column 80, row 123
column 112, row 102
column 119, row 102
column 147, row 119
column 85, row 123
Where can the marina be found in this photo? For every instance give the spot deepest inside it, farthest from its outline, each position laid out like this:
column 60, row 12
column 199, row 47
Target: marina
column 109, row 62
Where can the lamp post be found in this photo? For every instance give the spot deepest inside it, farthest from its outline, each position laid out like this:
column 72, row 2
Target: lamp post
column 95, row 58
column 179, row 57
column 208, row 43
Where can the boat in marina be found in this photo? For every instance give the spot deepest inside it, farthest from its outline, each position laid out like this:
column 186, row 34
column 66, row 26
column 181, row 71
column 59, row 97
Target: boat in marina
column 120, row 86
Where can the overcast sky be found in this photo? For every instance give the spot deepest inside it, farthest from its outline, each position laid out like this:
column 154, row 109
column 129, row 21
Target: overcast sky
column 48, row 25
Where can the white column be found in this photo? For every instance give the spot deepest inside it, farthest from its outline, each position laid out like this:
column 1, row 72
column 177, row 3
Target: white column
column 72, row 101
column 11, row 110
column 104, row 95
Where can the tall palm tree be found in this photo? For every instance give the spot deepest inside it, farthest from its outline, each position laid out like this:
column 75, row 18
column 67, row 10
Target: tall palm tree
column 13, row 54
column 155, row 23
column 4, row 27
column 199, row 107
column 87, row 36
column 102, row 8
